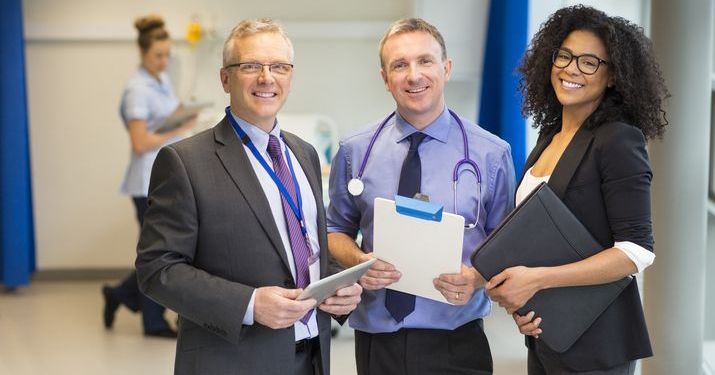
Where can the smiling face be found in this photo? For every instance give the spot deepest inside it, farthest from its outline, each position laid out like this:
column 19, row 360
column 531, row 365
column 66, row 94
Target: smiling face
column 415, row 74
column 258, row 97
column 576, row 91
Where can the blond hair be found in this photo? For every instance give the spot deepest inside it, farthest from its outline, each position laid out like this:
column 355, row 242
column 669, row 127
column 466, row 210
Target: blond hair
column 410, row 25
column 252, row 27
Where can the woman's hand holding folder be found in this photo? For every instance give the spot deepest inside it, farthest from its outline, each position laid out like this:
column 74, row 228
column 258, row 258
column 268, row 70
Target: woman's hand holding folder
column 514, row 286
column 528, row 325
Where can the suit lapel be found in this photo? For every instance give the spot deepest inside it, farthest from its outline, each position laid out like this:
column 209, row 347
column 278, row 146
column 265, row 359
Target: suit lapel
column 569, row 161
column 234, row 159
column 315, row 186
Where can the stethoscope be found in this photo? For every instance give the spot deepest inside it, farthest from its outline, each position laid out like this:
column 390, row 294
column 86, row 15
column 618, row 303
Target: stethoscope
column 356, row 186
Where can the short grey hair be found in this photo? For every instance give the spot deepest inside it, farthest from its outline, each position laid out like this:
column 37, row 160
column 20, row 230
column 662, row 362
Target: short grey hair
column 410, row 25
column 251, row 27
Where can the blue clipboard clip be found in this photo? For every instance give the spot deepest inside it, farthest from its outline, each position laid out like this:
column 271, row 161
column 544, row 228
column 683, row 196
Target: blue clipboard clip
column 418, row 208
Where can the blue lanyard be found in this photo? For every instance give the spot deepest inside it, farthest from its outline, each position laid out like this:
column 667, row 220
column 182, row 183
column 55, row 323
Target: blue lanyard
column 297, row 210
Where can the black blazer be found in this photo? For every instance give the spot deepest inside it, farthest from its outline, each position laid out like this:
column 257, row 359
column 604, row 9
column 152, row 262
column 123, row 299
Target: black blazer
column 604, row 178
column 209, row 239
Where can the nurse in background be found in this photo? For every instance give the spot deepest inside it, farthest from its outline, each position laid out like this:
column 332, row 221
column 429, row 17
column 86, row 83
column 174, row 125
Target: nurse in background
column 147, row 100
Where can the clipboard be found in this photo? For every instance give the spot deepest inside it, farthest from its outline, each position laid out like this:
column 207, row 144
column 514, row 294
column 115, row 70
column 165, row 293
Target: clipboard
column 420, row 240
column 543, row 232
column 182, row 113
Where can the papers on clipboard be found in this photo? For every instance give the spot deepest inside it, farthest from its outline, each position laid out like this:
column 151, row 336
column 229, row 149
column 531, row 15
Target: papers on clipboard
column 419, row 241
column 182, row 113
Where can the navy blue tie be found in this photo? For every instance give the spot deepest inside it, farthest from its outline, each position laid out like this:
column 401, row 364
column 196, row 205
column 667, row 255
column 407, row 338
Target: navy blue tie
column 399, row 304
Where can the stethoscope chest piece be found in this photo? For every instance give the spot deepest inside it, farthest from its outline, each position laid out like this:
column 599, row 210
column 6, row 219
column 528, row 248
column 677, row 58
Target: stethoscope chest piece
column 355, row 187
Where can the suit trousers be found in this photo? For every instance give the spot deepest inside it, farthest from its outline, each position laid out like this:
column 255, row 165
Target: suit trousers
column 411, row 351
column 128, row 294
column 541, row 362
column 307, row 357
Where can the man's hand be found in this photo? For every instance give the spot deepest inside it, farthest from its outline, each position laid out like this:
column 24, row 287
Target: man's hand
column 344, row 301
column 458, row 288
column 380, row 274
column 513, row 287
column 276, row 307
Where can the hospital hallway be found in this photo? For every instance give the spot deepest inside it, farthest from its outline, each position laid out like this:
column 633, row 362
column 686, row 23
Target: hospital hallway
column 55, row 327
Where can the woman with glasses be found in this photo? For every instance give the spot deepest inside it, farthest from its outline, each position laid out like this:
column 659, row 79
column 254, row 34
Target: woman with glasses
column 147, row 100
column 596, row 93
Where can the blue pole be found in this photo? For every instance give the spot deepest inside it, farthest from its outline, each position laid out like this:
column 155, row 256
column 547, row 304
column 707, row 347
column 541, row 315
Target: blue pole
column 500, row 100
column 17, row 245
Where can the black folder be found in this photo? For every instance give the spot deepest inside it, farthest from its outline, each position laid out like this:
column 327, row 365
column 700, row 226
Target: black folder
column 540, row 232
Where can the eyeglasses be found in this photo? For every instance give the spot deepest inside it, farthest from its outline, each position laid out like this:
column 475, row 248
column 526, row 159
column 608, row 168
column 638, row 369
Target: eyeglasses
column 256, row 67
column 587, row 64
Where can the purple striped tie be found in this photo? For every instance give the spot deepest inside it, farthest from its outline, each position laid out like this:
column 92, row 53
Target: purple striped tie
column 298, row 242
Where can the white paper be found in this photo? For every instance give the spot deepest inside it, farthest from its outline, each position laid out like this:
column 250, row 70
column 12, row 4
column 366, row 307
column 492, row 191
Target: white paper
column 420, row 249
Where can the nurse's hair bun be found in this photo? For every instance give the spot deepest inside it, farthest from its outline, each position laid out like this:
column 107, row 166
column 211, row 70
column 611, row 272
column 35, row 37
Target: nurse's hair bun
column 148, row 23
column 151, row 29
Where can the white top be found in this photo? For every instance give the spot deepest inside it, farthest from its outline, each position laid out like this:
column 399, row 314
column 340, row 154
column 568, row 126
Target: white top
column 528, row 184
column 151, row 100
column 640, row 256
column 260, row 140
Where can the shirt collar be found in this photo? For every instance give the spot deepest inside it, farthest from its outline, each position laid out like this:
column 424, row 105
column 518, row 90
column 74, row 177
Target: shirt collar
column 161, row 82
column 256, row 134
column 438, row 129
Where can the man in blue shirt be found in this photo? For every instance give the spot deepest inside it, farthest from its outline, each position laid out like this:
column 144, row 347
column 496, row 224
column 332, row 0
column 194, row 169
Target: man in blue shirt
column 416, row 151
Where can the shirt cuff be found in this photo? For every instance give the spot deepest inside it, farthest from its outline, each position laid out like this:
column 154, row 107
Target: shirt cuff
column 248, row 317
column 641, row 257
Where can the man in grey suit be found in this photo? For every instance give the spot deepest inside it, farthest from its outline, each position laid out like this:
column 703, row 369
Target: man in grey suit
column 235, row 228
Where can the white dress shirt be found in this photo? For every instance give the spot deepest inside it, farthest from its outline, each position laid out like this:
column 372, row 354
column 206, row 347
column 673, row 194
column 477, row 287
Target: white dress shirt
column 260, row 140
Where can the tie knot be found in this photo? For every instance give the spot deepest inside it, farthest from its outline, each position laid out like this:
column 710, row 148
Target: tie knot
column 415, row 140
column 274, row 147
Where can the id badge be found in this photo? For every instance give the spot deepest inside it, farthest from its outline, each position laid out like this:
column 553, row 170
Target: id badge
column 314, row 256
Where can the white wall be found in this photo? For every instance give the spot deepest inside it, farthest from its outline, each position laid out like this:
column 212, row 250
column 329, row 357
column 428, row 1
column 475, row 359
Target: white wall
column 80, row 52
column 78, row 152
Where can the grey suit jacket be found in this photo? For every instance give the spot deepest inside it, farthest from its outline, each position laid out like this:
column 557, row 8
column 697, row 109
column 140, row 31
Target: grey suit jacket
column 209, row 239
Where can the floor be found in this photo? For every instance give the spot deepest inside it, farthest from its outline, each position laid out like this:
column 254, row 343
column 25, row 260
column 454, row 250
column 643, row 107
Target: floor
column 55, row 328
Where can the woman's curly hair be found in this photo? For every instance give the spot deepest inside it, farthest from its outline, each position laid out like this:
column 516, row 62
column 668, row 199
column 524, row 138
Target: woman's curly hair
column 637, row 94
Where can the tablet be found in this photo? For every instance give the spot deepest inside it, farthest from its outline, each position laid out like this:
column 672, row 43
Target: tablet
column 182, row 113
column 324, row 288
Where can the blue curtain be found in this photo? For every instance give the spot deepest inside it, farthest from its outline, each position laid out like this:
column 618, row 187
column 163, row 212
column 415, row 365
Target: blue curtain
column 500, row 103
column 17, row 245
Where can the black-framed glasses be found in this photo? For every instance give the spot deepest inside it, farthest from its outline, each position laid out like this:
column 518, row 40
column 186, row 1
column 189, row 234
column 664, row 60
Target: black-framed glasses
column 256, row 67
column 587, row 64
